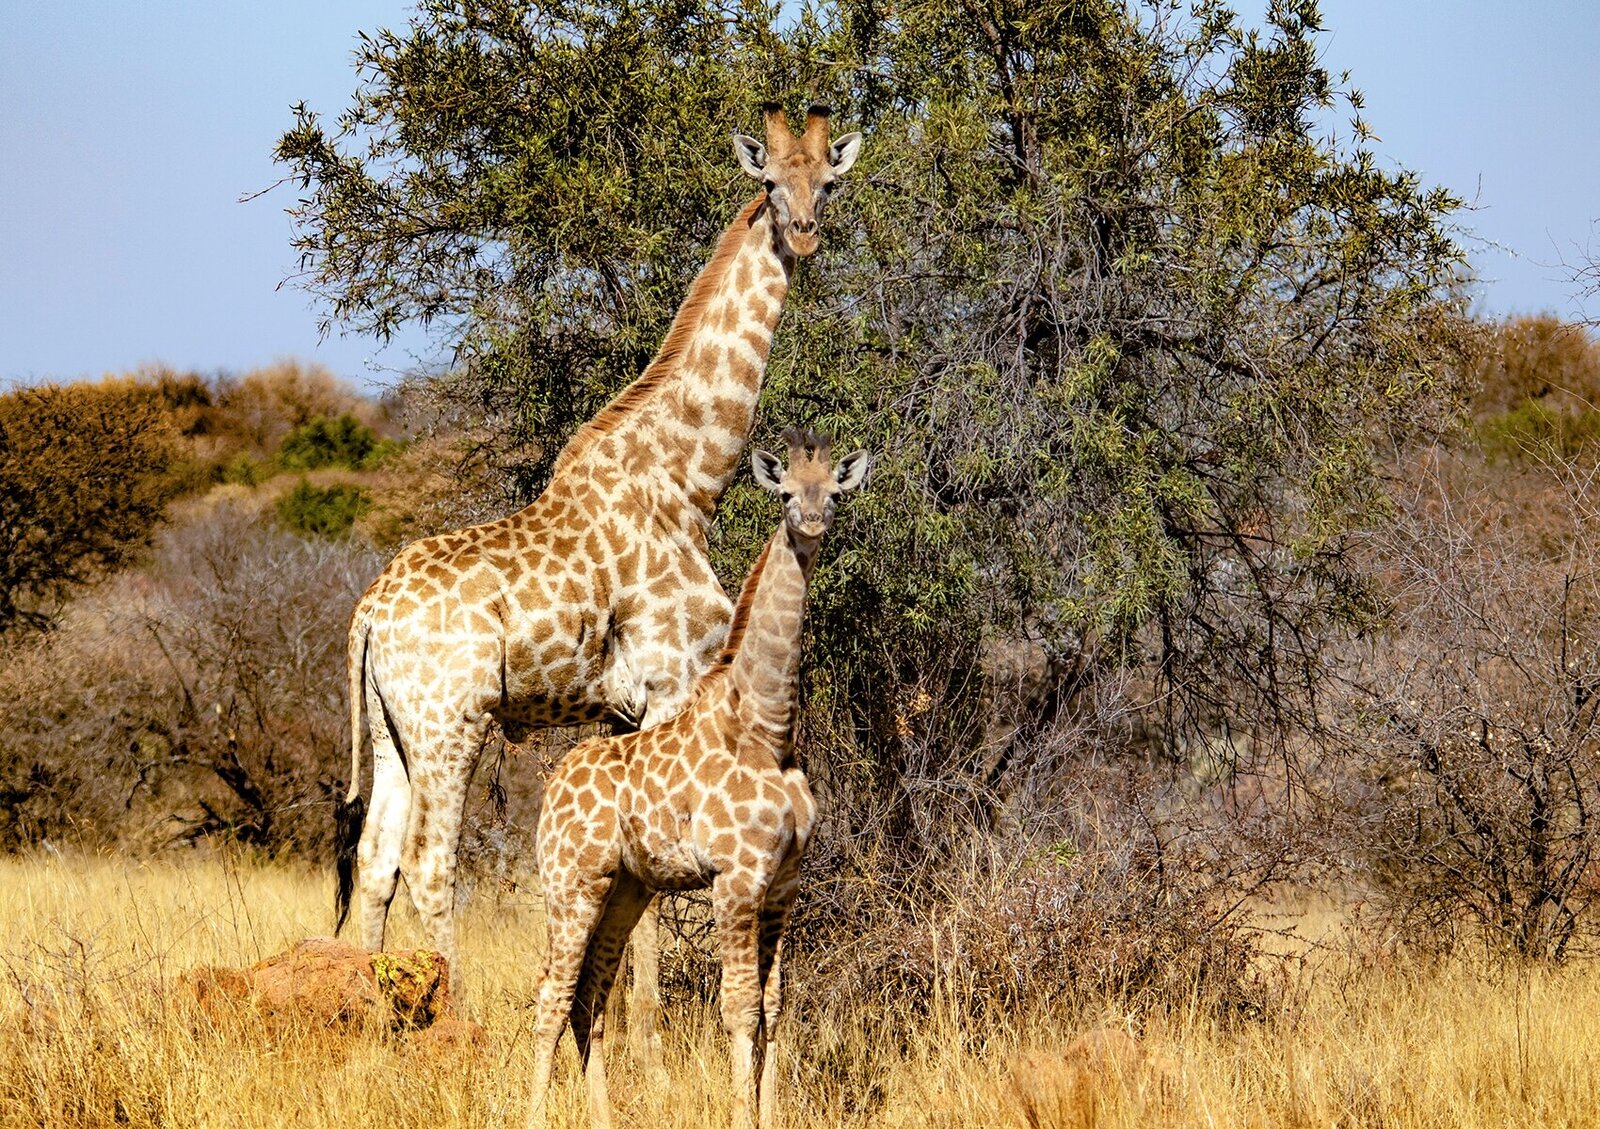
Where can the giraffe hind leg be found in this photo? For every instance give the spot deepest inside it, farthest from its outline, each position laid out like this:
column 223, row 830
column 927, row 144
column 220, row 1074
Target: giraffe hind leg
column 432, row 839
column 571, row 916
column 644, row 1001
column 774, row 919
column 588, row 923
column 383, row 830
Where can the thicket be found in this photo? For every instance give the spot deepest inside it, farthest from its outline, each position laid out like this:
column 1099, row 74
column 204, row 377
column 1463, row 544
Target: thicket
column 85, row 473
column 1126, row 309
column 200, row 696
column 1465, row 779
column 1462, row 776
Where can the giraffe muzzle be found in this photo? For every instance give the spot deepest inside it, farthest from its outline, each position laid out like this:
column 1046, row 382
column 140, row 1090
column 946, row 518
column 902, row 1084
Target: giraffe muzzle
column 803, row 239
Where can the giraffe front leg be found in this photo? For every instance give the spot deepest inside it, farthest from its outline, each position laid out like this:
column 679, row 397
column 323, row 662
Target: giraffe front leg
column 773, row 921
column 571, row 916
column 735, row 898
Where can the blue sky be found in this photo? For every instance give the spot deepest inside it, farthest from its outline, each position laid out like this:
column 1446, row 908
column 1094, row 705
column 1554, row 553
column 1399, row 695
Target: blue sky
column 128, row 133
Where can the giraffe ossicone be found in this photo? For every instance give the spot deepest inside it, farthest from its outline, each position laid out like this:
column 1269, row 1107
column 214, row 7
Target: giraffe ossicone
column 715, row 797
column 597, row 602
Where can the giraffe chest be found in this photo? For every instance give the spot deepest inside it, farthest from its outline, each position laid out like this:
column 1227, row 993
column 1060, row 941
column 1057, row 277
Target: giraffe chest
column 685, row 823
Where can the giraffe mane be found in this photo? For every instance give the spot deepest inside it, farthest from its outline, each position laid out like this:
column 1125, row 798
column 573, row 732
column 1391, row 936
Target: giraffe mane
column 664, row 364
column 741, row 612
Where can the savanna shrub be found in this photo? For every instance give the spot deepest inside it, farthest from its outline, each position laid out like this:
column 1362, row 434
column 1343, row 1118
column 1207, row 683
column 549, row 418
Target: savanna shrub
column 1144, row 911
column 1466, row 773
column 247, row 470
column 1534, row 358
column 340, row 442
column 324, row 511
column 201, row 695
column 84, row 479
column 1538, row 430
column 266, row 404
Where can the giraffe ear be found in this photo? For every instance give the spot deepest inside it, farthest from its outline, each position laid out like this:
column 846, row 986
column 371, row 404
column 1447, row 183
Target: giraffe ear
column 852, row 469
column 843, row 153
column 767, row 469
column 752, row 155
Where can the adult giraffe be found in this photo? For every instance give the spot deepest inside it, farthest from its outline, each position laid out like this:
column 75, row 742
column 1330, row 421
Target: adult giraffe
column 598, row 601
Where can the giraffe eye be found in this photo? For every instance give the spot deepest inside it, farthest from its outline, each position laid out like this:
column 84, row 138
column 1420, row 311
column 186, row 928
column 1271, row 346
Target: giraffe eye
column 770, row 185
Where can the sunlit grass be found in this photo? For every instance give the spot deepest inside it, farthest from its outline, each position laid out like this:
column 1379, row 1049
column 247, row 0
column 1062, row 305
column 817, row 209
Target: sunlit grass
column 95, row 1030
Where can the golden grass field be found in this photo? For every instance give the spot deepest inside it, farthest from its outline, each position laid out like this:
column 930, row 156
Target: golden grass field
column 95, row 1031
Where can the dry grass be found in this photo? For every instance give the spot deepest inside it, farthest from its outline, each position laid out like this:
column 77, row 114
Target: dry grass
column 93, row 1031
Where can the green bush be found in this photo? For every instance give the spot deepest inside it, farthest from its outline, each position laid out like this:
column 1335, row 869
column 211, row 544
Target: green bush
column 327, row 511
column 1537, row 430
column 245, row 470
column 342, row 441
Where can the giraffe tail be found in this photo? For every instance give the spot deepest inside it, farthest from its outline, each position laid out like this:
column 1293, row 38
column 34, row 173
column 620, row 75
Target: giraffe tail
column 351, row 812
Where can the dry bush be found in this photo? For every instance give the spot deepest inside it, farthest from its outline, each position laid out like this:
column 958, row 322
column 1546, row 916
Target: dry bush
column 1467, row 784
column 1024, row 924
column 83, row 483
column 1067, row 870
column 264, row 405
column 201, row 695
column 1535, row 357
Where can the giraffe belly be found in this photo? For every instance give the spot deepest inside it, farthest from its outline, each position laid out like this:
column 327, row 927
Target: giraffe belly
column 552, row 672
column 520, row 718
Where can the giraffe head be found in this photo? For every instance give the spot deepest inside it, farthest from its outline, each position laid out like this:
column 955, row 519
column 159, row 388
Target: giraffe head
column 797, row 172
column 810, row 488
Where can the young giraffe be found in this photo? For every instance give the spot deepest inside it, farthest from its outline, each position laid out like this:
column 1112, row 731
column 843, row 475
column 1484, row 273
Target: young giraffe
column 714, row 797
column 595, row 602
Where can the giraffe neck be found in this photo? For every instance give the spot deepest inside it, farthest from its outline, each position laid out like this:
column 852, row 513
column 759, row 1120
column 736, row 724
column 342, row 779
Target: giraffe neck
column 709, row 411
column 766, row 666
column 690, row 414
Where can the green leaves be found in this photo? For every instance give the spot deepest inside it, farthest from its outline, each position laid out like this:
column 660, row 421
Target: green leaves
column 1123, row 326
column 324, row 511
column 343, row 441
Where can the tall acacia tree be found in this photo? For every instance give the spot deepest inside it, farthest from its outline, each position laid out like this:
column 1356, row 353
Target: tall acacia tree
column 1121, row 297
